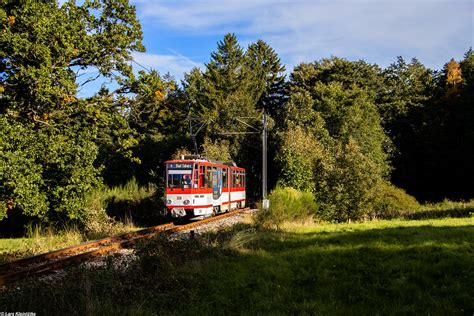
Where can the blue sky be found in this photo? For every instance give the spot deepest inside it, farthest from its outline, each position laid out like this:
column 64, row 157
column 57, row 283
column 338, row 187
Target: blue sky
column 180, row 35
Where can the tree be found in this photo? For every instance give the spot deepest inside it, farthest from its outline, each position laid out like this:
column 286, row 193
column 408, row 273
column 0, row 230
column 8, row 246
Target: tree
column 338, row 109
column 407, row 87
column 20, row 175
column 230, row 94
column 44, row 48
column 347, row 73
column 297, row 157
column 268, row 77
column 346, row 186
column 333, row 143
column 429, row 117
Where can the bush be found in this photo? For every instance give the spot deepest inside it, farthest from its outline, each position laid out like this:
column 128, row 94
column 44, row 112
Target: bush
column 297, row 156
column 393, row 202
column 346, row 186
column 288, row 204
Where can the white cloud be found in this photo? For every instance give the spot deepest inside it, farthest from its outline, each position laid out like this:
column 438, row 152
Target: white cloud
column 308, row 30
column 175, row 64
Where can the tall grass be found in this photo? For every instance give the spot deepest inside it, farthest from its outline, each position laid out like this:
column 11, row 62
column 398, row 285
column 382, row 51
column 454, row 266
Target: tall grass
column 42, row 239
column 39, row 239
column 99, row 223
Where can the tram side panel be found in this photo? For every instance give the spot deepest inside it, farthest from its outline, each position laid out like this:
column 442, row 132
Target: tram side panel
column 196, row 188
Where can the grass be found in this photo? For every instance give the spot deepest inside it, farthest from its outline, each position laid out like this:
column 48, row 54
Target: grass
column 112, row 210
column 100, row 222
column 442, row 209
column 38, row 240
column 378, row 267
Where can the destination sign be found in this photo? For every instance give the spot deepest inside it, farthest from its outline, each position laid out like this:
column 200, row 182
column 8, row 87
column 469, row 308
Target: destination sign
column 180, row 166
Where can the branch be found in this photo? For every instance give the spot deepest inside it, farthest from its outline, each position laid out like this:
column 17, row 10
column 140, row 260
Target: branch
column 90, row 79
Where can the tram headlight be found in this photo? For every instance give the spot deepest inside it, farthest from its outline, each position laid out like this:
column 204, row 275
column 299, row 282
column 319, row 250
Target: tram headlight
column 168, row 201
column 186, row 202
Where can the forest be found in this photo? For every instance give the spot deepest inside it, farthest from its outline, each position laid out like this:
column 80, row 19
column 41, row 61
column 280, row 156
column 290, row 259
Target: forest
column 351, row 139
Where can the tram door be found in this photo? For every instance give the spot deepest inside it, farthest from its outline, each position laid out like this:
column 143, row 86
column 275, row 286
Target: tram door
column 216, row 183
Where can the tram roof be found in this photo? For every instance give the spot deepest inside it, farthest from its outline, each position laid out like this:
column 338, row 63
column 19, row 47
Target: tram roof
column 205, row 162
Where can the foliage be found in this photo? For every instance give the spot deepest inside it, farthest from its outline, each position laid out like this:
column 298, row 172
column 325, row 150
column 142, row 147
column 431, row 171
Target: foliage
column 103, row 218
column 44, row 47
column 392, row 202
column 229, row 96
column 345, row 188
column 339, row 106
column 21, row 179
column 348, row 74
column 268, row 76
column 287, row 204
column 297, row 158
column 216, row 150
column 60, row 170
column 334, row 144
column 147, row 111
column 435, row 134
column 151, row 107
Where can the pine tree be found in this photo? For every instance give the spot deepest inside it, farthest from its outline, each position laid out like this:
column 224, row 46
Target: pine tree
column 268, row 77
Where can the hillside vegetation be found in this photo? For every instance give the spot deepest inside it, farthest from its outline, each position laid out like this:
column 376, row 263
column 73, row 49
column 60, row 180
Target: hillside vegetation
column 361, row 139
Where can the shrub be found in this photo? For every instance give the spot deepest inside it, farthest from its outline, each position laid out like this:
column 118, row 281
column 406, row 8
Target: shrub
column 346, row 187
column 393, row 202
column 287, row 204
column 297, row 156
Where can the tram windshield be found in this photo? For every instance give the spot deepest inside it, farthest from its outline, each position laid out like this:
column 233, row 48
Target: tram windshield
column 179, row 175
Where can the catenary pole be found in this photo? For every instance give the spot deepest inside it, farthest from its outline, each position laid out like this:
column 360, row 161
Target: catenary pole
column 264, row 160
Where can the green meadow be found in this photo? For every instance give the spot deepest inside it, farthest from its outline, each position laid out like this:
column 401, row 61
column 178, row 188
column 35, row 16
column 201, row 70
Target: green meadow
column 378, row 267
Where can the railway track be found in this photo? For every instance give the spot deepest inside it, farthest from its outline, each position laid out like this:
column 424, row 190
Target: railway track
column 59, row 259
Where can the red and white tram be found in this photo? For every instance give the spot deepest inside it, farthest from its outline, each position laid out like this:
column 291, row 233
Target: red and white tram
column 197, row 186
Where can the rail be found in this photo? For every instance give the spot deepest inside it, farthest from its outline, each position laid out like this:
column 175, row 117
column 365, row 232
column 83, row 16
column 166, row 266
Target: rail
column 58, row 259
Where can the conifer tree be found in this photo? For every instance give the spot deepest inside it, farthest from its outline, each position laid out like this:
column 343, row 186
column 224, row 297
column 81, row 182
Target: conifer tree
column 268, row 77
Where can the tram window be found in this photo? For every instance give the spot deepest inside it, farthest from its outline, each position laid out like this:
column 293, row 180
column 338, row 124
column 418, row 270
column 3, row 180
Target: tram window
column 224, row 178
column 209, row 177
column 179, row 180
column 243, row 180
column 196, row 176
column 174, row 180
column 214, row 177
column 202, row 177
